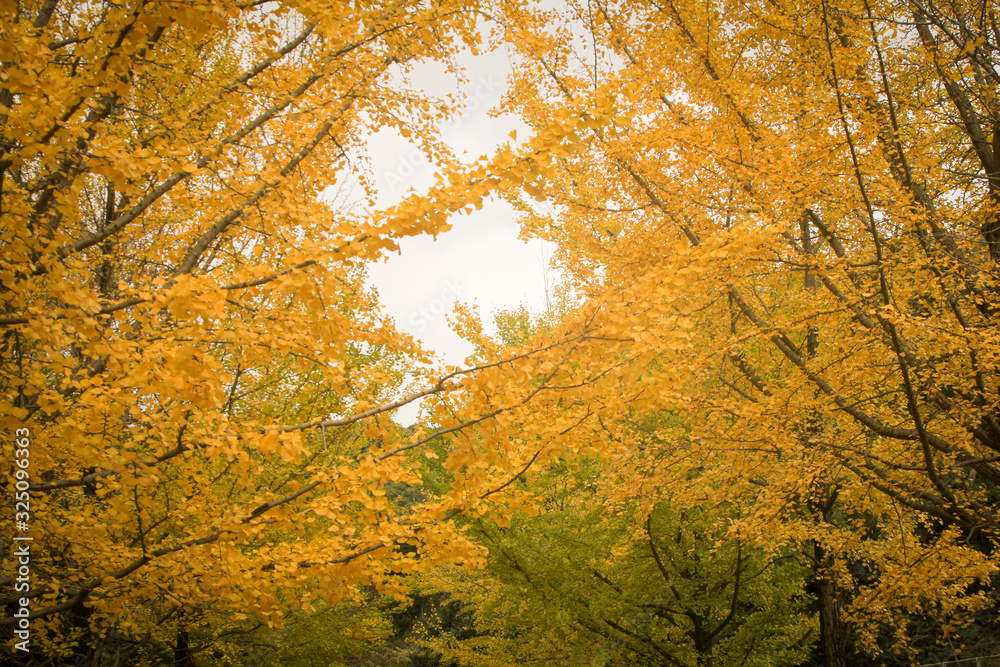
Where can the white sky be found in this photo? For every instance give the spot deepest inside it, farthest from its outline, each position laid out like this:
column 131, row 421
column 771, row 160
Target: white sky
column 480, row 260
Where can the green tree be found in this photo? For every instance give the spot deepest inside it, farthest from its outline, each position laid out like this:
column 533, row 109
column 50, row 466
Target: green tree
column 646, row 585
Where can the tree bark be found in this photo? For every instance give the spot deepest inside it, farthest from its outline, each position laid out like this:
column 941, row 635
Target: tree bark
column 182, row 650
column 831, row 628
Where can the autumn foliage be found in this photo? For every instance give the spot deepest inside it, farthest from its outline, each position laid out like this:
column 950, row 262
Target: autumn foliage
column 186, row 330
column 778, row 227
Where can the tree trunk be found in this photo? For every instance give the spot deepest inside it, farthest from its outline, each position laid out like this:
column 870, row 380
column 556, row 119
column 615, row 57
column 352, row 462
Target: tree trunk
column 182, row 650
column 831, row 628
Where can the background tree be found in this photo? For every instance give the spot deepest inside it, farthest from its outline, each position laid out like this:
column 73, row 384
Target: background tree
column 647, row 585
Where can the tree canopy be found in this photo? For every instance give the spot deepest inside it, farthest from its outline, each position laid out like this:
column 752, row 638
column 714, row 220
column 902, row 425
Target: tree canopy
column 777, row 225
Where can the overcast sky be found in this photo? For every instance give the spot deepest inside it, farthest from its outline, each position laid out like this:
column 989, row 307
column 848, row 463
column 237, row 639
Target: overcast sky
column 480, row 260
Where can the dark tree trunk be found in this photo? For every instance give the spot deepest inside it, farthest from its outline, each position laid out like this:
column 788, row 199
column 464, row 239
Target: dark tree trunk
column 832, row 632
column 182, row 651
column 83, row 654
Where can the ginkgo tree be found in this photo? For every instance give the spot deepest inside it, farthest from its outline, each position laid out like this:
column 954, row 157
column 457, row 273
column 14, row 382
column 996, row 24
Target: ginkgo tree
column 189, row 352
column 646, row 583
column 781, row 219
